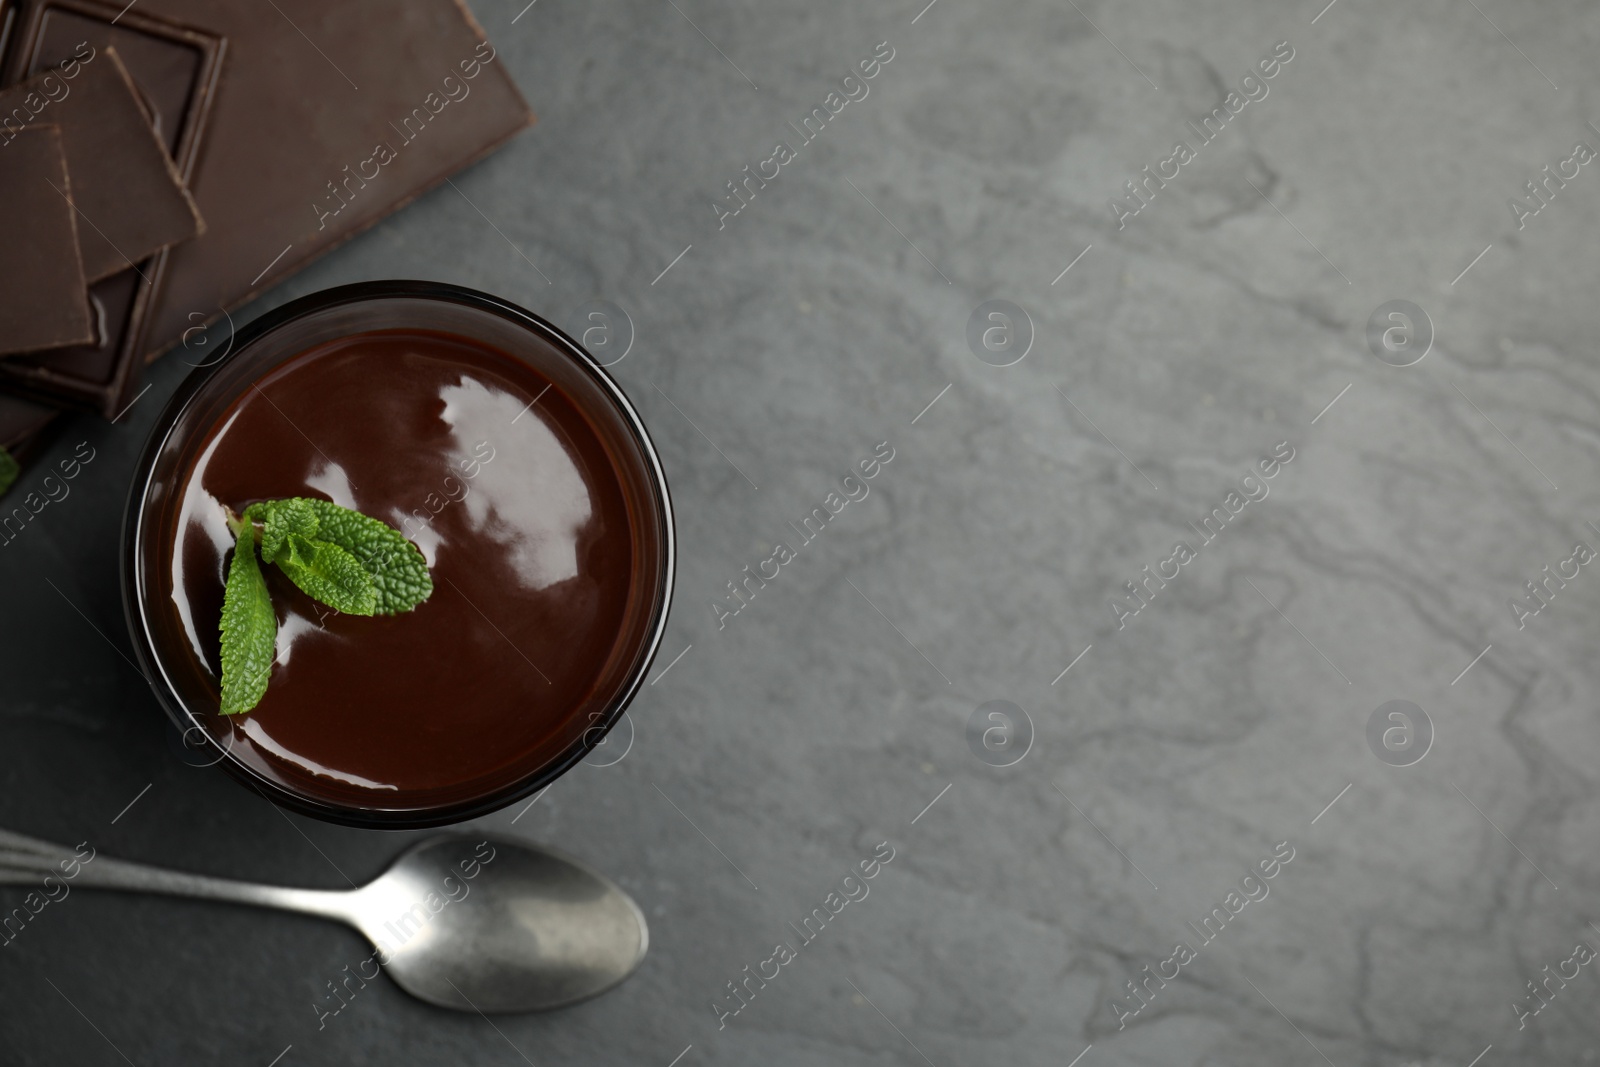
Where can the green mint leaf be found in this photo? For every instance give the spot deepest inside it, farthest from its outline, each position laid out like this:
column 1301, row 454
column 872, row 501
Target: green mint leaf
column 398, row 569
column 282, row 518
column 354, row 564
column 328, row 573
column 9, row 469
column 249, row 630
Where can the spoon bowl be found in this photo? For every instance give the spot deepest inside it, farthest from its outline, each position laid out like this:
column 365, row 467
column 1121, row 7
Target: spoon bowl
column 531, row 930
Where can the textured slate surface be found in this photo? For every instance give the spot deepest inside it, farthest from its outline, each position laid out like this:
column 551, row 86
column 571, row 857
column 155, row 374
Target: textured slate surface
column 827, row 715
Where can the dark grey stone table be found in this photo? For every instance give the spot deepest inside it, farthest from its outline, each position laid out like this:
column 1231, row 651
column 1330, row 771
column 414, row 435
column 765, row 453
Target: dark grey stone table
column 1229, row 709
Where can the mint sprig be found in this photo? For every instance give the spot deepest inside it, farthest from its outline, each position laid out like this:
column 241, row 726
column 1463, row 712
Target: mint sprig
column 355, row 564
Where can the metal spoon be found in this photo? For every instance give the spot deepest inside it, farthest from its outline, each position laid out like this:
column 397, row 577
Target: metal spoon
column 480, row 923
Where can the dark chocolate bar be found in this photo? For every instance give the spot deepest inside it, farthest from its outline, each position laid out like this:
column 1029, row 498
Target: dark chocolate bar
column 299, row 159
column 174, row 69
column 296, row 158
column 42, row 302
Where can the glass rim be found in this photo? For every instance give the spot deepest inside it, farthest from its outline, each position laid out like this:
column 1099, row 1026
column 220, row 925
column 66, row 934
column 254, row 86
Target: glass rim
column 192, row 389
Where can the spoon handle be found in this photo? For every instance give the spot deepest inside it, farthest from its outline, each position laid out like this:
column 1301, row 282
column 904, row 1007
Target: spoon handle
column 26, row 862
column 15, row 842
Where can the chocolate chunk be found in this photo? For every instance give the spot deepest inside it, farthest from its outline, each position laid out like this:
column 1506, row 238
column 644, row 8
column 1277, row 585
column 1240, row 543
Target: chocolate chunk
column 41, row 275
column 129, row 198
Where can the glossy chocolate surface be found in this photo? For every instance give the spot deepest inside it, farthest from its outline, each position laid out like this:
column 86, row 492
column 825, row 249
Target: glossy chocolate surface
column 520, row 504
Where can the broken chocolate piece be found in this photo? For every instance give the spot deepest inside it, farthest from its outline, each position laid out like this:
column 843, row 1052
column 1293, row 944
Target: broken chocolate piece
column 129, row 198
column 42, row 300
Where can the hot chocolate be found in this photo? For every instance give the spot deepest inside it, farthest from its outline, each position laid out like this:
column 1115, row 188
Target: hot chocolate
column 530, row 508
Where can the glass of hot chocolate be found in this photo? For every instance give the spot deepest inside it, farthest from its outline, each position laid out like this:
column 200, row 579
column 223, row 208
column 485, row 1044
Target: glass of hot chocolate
column 505, row 455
